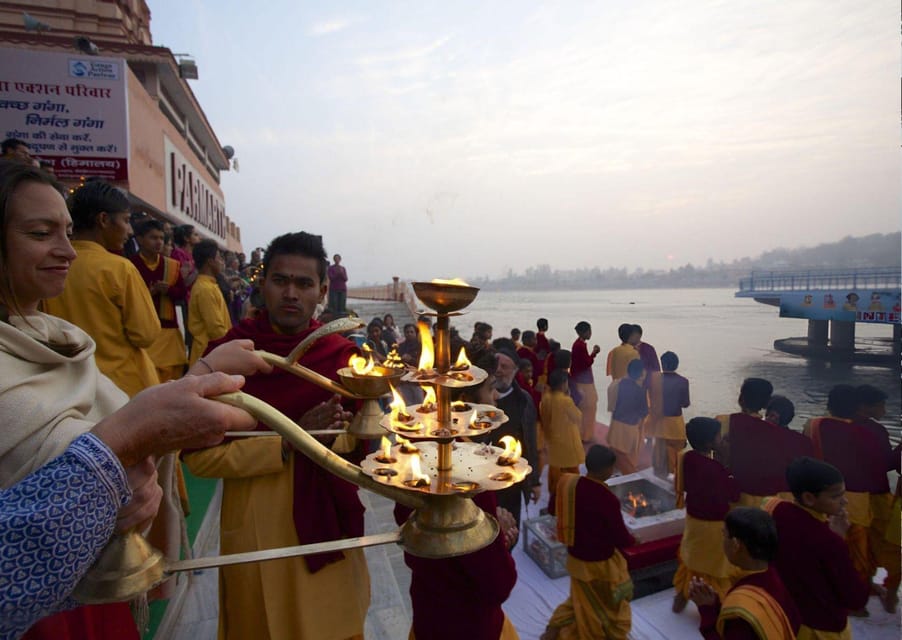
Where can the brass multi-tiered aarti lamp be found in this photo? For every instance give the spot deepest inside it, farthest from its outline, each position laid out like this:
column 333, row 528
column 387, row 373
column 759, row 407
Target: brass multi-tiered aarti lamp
column 432, row 472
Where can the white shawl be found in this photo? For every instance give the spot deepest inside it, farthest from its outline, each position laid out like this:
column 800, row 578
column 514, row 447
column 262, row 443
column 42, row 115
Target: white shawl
column 46, row 399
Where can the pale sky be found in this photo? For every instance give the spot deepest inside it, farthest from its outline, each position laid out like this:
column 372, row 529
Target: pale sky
column 459, row 139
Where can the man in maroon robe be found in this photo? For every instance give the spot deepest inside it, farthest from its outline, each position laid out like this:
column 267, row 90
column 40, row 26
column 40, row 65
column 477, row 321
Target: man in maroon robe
column 323, row 506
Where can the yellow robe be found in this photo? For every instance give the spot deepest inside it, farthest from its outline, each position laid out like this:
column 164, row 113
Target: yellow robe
column 560, row 428
column 598, row 605
column 277, row 597
column 168, row 350
column 106, row 296
column 619, row 359
column 208, row 315
column 759, row 610
column 807, row 633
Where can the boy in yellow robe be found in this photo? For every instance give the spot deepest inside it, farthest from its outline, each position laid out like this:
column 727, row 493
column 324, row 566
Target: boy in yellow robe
column 759, row 605
column 560, row 422
column 167, row 288
column 620, row 356
column 883, row 534
column 590, row 523
column 668, row 394
column 208, row 314
column 709, row 489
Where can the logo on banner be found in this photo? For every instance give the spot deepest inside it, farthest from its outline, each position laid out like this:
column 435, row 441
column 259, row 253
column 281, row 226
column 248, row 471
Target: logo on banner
column 93, row 69
column 78, row 68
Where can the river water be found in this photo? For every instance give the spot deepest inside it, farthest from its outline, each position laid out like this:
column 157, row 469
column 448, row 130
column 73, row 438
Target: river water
column 719, row 339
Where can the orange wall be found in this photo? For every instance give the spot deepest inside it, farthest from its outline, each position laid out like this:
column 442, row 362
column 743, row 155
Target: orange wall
column 147, row 161
column 146, row 164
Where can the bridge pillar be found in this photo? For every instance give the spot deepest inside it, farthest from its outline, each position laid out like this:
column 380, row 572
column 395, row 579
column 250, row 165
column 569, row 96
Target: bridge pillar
column 842, row 335
column 817, row 333
column 395, row 292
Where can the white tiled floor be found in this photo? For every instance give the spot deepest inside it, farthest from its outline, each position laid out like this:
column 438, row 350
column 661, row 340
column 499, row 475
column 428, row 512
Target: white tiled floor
column 530, row 605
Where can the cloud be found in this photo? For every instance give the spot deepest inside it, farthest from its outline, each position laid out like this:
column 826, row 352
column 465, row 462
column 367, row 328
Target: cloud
column 702, row 119
column 405, row 53
column 326, row 27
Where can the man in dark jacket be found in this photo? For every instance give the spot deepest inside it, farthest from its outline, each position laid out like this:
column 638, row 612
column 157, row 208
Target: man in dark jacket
column 521, row 412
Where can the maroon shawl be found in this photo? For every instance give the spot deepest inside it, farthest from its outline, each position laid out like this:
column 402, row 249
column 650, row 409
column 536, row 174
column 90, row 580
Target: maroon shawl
column 324, row 507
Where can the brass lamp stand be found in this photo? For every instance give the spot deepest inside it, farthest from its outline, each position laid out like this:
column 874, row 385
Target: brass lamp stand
column 445, row 522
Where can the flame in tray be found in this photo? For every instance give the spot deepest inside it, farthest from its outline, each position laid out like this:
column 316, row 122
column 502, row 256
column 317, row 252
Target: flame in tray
column 362, row 366
column 454, row 282
column 512, row 450
column 427, row 353
column 462, row 362
column 386, row 448
column 417, row 477
column 428, row 401
column 397, row 406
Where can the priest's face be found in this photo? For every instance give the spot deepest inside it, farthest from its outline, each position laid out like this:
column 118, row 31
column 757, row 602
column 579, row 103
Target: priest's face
column 291, row 290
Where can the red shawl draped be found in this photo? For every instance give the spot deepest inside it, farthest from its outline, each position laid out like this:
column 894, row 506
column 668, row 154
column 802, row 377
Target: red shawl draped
column 325, row 507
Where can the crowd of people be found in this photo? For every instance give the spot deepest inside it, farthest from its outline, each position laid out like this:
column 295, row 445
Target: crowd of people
column 784, row 530
column 765, row 505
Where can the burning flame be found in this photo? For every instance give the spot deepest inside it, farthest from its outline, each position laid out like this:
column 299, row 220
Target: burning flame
column 386, row 447
column 455, row 282
column 462, row 361
column 362, row 366
column 405, row 444
column 427, row 355
column 512, row 449
column 415, row 474
column 397, row 405
column 429, row 400
column 637, row 500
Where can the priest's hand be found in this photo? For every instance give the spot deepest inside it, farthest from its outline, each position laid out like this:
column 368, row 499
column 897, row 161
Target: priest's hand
column 326, row 415
column 840, row 523
column 701, row 593
column 233, row 357
column 172, row 416
column 146, row 497
column 508, row 527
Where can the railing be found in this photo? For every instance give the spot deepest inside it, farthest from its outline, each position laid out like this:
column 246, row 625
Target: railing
column 378, row 292
column 394, row 292
column 817, row 279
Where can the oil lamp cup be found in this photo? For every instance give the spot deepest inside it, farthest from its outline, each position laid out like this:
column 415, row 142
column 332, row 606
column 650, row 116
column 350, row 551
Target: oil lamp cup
column 445, row 297
column 365, row 424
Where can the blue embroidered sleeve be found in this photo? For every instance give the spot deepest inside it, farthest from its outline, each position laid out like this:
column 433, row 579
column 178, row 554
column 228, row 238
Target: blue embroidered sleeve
column 52, row 525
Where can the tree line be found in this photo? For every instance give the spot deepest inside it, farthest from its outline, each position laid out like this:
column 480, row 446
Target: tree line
column 875, row 250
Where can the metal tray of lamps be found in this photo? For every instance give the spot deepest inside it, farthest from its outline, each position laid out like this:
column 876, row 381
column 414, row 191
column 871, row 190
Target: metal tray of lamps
column 454, row 378
column 475, row 468
column 470, row 420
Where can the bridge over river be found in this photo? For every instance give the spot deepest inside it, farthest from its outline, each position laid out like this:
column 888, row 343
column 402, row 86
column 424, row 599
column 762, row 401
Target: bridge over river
column 833, row 301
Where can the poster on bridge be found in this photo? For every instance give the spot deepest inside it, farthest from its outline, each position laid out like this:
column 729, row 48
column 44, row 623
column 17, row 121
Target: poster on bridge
column 70, row 109
column 851, row 305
